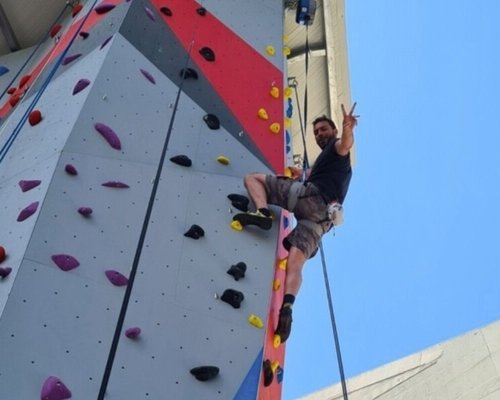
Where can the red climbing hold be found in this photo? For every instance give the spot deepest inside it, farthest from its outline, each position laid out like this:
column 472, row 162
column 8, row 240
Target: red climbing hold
column 108, row 134
column 4, row 272
column 28, row 185
column 2, row 254
column 24, row 80
column 35, row 117
column 14, row 99
column 54, row 389
column 104, row 8
column 76, row 9
column 11, row 90
column 27, row 212
column 116, row 278
column 65, row 261
column 55, row 30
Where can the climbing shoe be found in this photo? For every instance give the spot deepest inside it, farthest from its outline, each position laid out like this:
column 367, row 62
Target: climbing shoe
column 284, row 324
column 254, row 218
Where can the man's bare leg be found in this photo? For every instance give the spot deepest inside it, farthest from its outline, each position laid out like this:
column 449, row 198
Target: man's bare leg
column 256, row 188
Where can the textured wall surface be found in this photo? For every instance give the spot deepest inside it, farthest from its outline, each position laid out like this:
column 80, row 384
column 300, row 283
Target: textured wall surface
column 464, row 368
column 93, row 211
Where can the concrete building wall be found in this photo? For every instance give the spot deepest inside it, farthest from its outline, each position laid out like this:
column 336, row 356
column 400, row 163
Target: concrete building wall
column 63, row 310
column 464, row 368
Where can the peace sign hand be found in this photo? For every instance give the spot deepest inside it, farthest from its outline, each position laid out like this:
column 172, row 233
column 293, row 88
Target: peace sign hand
column 350, row 120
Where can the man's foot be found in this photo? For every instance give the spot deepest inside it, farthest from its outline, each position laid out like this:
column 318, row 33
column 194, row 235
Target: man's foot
column 254, row 218
column 284, row 324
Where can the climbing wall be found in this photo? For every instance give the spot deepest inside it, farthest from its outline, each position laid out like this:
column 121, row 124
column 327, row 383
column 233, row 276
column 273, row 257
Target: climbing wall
column 120, row 142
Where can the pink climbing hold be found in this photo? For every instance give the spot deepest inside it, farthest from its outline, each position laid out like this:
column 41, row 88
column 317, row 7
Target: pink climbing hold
column 80, row 85
column 85, row 211
column 54, row 389
column 105, row 42
column 116, row 278
column 65, row 262
column 103, row 8
column 150, row 14
column 116, row 185
column 27, row 212
column 70, row 169
column 4, row 272
column 28, row 185
column 109, row 134
column 71, row 58
column 133, row 333
column 148, row 76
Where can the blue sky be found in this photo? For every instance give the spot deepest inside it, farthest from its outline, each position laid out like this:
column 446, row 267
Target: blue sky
column 417, row 261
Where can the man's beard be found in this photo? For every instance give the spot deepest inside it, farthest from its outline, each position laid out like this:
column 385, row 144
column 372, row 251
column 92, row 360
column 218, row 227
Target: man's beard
column 323, row 142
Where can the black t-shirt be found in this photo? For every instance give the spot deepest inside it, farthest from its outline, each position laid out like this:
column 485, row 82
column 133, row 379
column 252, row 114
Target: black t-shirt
column 331, row 173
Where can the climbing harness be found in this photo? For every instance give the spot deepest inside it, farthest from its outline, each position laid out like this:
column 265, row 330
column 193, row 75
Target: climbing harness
column 334, row 213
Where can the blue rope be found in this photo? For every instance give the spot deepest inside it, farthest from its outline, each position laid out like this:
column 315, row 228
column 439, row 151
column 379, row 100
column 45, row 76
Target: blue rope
column 8, row 144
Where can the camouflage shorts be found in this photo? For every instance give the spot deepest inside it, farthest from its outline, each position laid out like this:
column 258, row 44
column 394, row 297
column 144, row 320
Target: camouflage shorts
column 309, row 206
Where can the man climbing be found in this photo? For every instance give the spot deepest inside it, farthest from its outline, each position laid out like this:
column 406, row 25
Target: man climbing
column 311, row 201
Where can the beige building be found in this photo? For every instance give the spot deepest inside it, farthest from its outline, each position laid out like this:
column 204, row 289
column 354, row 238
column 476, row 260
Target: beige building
column 463, row 368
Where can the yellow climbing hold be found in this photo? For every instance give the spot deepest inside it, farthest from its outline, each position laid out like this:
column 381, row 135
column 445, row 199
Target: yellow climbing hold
column 276, row 285
column 236, row 225
column 262, row 113
column 223, row 160
column 288, row 172
column 288, row 91
column 255, row 321
column 287, row 51
column 285, row 38
column 274, row 365
column 288, row 123
column 282, row 264
column 275, row 92
column 270, row 50
column 276, row 341
column 275, row 127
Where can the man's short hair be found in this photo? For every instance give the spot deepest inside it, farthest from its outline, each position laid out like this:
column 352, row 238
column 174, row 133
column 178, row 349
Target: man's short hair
column 326, row 119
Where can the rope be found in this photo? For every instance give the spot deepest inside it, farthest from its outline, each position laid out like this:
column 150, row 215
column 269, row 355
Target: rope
column 8, row 144
column 140, row 245
column 34, row 51
column 323, row 260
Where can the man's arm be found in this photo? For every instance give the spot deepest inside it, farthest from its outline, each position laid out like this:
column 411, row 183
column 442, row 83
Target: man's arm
column 344, row 145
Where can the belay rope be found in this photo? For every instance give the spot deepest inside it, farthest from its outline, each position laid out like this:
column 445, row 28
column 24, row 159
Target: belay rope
column 323, row 260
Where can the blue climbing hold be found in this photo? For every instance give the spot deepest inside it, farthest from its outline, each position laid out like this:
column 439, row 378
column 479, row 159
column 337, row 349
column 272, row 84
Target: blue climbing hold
column 3, row 70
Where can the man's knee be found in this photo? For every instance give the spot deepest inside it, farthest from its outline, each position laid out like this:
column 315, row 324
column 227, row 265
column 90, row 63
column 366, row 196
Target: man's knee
column 254, row 177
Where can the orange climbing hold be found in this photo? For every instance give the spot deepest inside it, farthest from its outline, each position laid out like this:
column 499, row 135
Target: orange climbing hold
column 282, row 264
column 35, row 117
column 262, row 113
column 275, row 92
column 276, row 285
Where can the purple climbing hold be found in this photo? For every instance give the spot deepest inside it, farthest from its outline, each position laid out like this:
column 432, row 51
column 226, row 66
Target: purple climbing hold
column 116, row 184
column 70, row 169
column 65, row 261
column 103, row 8
column 150, row 14
column 133, row 333
column 116, row 278
column 80, row 85
column 28, row 185
column 85, row 211
column 105, row 42
column 27, row 212
column 54, row 389
column 109, row 134
column 84, row 34
column 148, row 76
column 71, row 58
column 4, row 272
